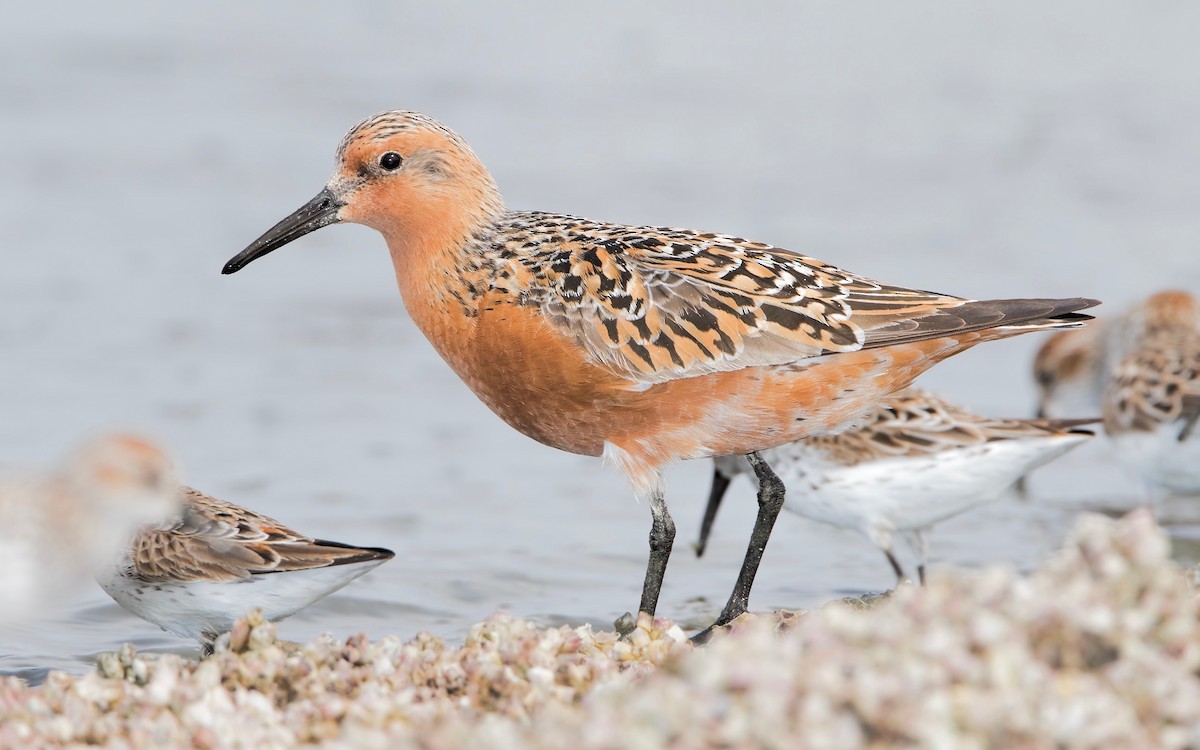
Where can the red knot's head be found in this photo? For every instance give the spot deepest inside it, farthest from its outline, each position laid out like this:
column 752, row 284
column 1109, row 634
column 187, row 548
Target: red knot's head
column 401, row 173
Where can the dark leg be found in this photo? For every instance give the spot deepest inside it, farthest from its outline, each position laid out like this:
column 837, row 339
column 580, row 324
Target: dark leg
column 662, row 536
column 895, row 566
column 770, row 502
column 720, row 483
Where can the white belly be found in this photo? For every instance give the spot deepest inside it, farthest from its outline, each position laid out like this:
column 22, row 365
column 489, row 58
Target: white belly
column 1160, row 459
column 201, row 609
column 911, row 493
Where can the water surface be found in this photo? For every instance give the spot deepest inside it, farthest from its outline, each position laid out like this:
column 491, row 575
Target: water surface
column 1012, row 151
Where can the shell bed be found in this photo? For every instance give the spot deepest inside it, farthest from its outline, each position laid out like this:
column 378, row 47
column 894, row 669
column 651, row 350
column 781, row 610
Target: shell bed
column 1099, row 648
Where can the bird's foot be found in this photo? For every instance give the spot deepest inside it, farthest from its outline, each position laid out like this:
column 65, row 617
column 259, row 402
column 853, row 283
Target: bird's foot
column 732, row 611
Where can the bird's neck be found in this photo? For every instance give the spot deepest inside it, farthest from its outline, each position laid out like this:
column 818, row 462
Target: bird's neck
column 441, row 272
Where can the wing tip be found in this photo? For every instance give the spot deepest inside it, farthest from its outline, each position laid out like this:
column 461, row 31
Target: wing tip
column 349, row 553
column 1042, row 312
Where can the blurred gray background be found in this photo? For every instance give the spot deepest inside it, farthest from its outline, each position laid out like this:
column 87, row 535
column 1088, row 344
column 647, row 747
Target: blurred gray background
column 999, row 149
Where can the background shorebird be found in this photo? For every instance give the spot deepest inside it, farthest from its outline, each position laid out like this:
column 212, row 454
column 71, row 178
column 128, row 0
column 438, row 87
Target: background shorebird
column 209, row 564
column 645, row 345
column 1141, row 370
column 1152, row 399
column 1070, row 373
column 56, row 530
column 917, row 460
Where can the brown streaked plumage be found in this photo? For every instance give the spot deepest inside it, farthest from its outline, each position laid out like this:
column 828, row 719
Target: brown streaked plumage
column 214, row 540
column 647, row 345
column 914, row 423
column 1157, row 385
column 197, row 572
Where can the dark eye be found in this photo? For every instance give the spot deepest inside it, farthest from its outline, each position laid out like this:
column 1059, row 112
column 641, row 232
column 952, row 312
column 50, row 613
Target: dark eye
column 391, row 160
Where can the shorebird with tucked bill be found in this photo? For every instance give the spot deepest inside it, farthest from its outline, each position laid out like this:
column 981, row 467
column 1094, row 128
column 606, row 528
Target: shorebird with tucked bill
column 645, row 345
column 918, row 460
column 195, row 572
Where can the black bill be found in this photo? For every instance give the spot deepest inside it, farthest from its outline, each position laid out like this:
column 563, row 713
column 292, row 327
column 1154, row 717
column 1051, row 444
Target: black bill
column 319, row 212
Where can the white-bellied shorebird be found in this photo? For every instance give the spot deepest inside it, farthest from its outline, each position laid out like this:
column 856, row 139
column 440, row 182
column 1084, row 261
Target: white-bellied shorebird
column 917, row 461
column 199, row 569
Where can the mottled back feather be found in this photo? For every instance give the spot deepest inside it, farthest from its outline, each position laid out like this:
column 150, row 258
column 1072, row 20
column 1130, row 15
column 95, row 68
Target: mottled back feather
column 915, row 423
column 215, row 540
column 655, row 304
column 1157, row 384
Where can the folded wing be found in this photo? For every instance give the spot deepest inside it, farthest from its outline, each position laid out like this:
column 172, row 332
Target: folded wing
column 219, row 541
column 657, row 304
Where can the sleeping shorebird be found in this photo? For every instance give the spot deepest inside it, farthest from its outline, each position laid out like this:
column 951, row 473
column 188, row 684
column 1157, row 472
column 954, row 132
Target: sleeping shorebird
column 917, row 460
column 196, row 573
column 1141, row 370
column 644, row 345
column 55, row 530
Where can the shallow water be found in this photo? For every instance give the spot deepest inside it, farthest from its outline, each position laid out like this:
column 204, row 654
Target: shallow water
column 1019, row 151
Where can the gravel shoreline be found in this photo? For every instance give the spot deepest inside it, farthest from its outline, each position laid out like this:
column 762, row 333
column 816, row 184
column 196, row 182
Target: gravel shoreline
column 1099, row 648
